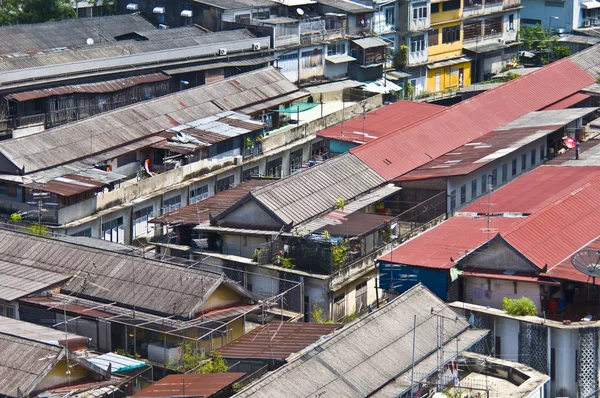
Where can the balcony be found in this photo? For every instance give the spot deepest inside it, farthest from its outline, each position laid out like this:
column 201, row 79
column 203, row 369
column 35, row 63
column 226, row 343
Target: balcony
column 508, row 4
column 419, row 24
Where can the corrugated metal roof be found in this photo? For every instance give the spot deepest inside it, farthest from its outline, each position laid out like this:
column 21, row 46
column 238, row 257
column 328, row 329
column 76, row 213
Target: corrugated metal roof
column 589, row 155
column 568, row 102
column 20, row 280
column 370, row 42
column 154, row 286
column 381, row 121
column 408, row 148
column 372, row 353
column 452, row 239
column 212, row 206
column 516, row 276
column 238, row 4
column 449, row 62
column 275, row 102
column 191, row 385
column 497, row 144
column 117, row 363
column 348, row 6
column 355, row 224
column 214, row 65
column 566, row 270
column 304, row 195
column 276, row 340
column 107, row 86
column 43, row 334
column 119, row 127
column 535, row 190
column 23, row 363
column 588, row 60
column 553, row 234
column 32, row 38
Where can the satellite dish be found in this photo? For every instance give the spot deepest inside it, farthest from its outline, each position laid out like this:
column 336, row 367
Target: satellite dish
column 587, row 261
column 89, row 41
column 300, row 11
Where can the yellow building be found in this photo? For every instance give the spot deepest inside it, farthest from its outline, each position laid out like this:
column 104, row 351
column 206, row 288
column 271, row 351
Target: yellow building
column 447, row 68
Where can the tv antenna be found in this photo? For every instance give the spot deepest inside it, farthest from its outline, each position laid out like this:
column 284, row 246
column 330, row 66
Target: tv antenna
column 587, row 261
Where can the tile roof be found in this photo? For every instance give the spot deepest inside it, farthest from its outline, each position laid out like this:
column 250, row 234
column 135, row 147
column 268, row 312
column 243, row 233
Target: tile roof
column 23, row 363
column 454, row 238
column 535, row 190
column 497, row 144
column 371, row 353
column 553, row 234
column 212, row 206
column 122, row 126
column 276, row 340
column 155, row 286
column 20, row 280
column 380, row 121
column 191, row 385
column 304, row 195
column 408, row 148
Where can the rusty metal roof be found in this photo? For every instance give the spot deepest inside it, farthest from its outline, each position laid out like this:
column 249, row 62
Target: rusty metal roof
column 201, row 211
column 497, row 144
column 190, row 385
column 276, row 340
column 100, row 87
column 441, row 247
column 355, row 224
column 381, row 121
column 408, row 148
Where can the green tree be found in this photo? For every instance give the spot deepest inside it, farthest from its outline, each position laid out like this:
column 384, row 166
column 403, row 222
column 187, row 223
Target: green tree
column 108, row 7
column 533, row 37
column 191, row 361
column 9, row 11
column 519, row 307
column 561, row 52
column 317, row 314
column 34, row 11
column 339, row 254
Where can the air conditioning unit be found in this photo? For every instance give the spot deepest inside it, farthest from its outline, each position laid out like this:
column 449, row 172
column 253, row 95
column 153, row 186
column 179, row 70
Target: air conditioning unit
column 222, row 51
column 163, row 26
column 502, row 41
column 255, row 46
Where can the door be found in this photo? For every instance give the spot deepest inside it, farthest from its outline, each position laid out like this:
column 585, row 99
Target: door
column 461, row 76
column 437, row 81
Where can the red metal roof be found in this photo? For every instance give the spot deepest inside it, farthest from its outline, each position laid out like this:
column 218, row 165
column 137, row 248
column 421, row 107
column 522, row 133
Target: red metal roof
column 517, row 276
column 535, row 190
column 277, row 340
column 452, row 239
column 100, row 87
column 551, row 235
column 408, row 148
column 191, row 385
column 199, row 212
column 568, row 102
column 380, row 121
column 565, row 270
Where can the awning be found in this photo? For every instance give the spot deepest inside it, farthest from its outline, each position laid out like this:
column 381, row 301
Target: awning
column 339, row 59
column 370, row 42
column 590, row 5
column 397, row 75
column 186, row 13
column 158, row 10
column 90, row 88
column 450, row 62
column 484, row 48
column 73, row 184
column 197, row 68
column 261, row 106
column 117, row 363
column 132, row 6
column 298, row 107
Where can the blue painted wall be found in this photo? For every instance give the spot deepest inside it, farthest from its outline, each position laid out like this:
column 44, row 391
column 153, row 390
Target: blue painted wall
column 336, row 146
column 402, row 277
column 568, row 13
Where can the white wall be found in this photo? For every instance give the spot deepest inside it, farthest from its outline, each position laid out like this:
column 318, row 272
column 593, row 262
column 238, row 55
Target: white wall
column 565, row 343
column 508, row 331
column 241, row 245
column 476, row 290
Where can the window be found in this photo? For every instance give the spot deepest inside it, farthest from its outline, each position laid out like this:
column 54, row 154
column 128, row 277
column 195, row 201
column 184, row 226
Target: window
column 126, row 159
column 171, row 204
column 451, row 5
column 494, row 177
column 435, row 7
column 225, row 183
column 420, row 11
column 527, row 21
column 504, row 172
column 7, row 311
column 390, row 17
column 274, row 168
column 114, row 231
column 140, row 221
column 523, row 161
column 247, row 174
column 433, row 38
column 473, row 189
column 336, row 48
column 452, row 201
column 288, row 57
column 463, row 194
column 84, row 232
column 199, row 193
column 511, row 22
column 484, row 183
column 514, row 167
column 417, row 43
column 224, row 146
column 8, row 189
column 451, row 34
column 532, row 157
column 542, row 152
column 312, row 59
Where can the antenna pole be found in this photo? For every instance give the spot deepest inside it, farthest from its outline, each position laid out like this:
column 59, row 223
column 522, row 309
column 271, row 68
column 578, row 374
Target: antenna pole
column 412, row 371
